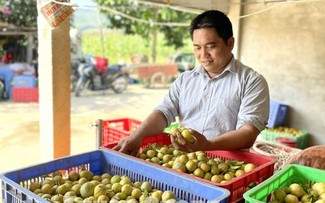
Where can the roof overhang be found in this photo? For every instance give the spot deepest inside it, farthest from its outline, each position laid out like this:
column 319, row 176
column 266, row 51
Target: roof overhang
column 9, row 29
column 221, row 5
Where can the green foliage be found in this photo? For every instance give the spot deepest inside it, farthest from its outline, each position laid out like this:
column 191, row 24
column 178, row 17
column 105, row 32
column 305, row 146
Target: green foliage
column 146, row 12
column 119, row 46
column 19, row 13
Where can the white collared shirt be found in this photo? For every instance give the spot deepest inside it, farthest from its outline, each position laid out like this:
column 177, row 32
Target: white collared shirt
column 213, row 106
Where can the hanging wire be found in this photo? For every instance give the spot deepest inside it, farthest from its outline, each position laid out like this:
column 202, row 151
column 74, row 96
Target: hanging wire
column 275, row 3
column 144, row 21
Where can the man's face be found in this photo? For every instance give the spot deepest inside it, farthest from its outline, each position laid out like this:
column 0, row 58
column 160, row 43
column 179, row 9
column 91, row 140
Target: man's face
column 211, row 51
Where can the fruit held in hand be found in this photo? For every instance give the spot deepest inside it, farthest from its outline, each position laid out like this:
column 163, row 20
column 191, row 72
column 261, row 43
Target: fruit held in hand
column 186, row 133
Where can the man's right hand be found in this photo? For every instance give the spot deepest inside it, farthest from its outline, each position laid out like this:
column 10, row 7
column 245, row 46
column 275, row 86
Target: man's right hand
column 129, row 145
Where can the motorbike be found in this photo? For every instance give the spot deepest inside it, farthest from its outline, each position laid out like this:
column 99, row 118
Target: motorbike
column 95, row 74
column 74, row 76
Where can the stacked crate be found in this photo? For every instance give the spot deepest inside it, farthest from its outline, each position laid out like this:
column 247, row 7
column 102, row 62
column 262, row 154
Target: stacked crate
column 15, row 184
column 109, row 132
column 25, row 88
column 277, row 132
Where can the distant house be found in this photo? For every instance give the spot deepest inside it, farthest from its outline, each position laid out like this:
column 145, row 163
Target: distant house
column 17, row 44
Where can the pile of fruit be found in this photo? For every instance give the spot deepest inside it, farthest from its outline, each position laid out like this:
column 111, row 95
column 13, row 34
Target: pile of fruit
column 196, row 163
column 296, row 193
column 84, row 186
column 286, row 130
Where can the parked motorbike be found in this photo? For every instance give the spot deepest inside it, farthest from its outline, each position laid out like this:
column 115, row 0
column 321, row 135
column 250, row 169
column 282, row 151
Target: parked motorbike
column 96, row 74
column 74, row 75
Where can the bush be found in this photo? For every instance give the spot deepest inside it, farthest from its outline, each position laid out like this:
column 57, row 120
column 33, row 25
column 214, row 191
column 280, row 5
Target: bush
column 118, row 46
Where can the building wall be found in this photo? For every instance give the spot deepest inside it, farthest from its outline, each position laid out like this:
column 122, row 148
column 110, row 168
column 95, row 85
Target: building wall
column 287, row 45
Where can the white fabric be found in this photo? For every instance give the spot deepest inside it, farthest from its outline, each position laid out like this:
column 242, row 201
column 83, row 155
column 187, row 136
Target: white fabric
column 213, row 106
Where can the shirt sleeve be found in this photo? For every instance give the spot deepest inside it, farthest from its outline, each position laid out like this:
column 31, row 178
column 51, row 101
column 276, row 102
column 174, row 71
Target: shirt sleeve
column 170, row 104
column 255, row 104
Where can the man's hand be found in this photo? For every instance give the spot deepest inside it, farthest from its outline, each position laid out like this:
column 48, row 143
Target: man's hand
column 180, row 143
column 129, row 145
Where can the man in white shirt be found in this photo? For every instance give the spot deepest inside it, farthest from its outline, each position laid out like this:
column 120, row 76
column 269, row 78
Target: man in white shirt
column 222, row 101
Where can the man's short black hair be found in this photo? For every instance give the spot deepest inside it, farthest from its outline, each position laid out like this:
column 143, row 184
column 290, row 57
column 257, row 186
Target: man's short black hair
column 213, row 19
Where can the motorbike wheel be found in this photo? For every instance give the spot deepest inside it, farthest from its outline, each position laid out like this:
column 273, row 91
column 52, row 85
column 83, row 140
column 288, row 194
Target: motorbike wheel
column 2, row 90
column 120, row 84
column 73, row 81
column 80, row 86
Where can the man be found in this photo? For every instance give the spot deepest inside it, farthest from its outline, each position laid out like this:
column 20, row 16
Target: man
column 222, row 101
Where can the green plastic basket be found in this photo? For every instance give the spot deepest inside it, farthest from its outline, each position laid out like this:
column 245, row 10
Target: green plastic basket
column 301, row 140
column 303, row 175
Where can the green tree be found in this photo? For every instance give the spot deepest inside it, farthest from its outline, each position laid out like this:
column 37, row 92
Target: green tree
column 147, row 20
column 21, row 13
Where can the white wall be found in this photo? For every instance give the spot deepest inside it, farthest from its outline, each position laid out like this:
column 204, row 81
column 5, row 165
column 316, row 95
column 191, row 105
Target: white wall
column 287, row 45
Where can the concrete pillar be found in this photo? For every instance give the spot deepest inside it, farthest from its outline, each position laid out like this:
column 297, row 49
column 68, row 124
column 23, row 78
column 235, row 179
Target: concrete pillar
column 235, row 11
column 54, row 88
column 30, row 47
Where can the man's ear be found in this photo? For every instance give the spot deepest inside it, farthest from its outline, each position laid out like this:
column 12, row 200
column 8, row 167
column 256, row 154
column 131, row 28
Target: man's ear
column 231, row 42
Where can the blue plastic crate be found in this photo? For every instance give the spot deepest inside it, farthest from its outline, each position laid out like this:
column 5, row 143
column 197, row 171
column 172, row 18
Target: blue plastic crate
column 24, row 81
column 277, row 115
column 105, row 160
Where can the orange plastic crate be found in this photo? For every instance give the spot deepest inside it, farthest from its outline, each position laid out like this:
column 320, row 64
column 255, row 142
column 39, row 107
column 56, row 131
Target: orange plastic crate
column 237, row 186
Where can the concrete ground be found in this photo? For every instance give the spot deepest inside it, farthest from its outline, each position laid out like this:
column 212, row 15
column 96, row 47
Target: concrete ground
column 19, row 122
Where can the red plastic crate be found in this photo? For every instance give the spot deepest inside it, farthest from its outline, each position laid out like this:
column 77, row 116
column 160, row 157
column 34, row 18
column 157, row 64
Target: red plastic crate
column 237, row 186
column 111, row 131
column 20, row 94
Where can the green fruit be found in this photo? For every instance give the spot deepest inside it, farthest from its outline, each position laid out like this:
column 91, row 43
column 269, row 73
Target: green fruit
column 188, row 136
column 97, row 177
column 296, row 190
column 99, row 190
column 46, row 189
column 86, row 174
column 279, row 195
column 87, row 190
column 57, row 173
column 136, row 193
column 115, row 179
column 33, row 186
column 306, row 198
column 167, row 195
column 106, row 175
column 103, row 198
column 70, row 194
column 174, row 131
column 62, row 189
column 191, row 166
column 116, row 187
column 57, row 198
column 73, row 176
column 290, row 198
column 82, row 180
column 198, row 172
column 127, row 189
column 76, row 188
column 146, row 186
column 178, row 166
column 157, row 194
column 216, row 178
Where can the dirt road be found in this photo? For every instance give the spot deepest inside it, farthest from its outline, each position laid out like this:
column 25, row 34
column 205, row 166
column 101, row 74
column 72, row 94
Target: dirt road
column 19, row 126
